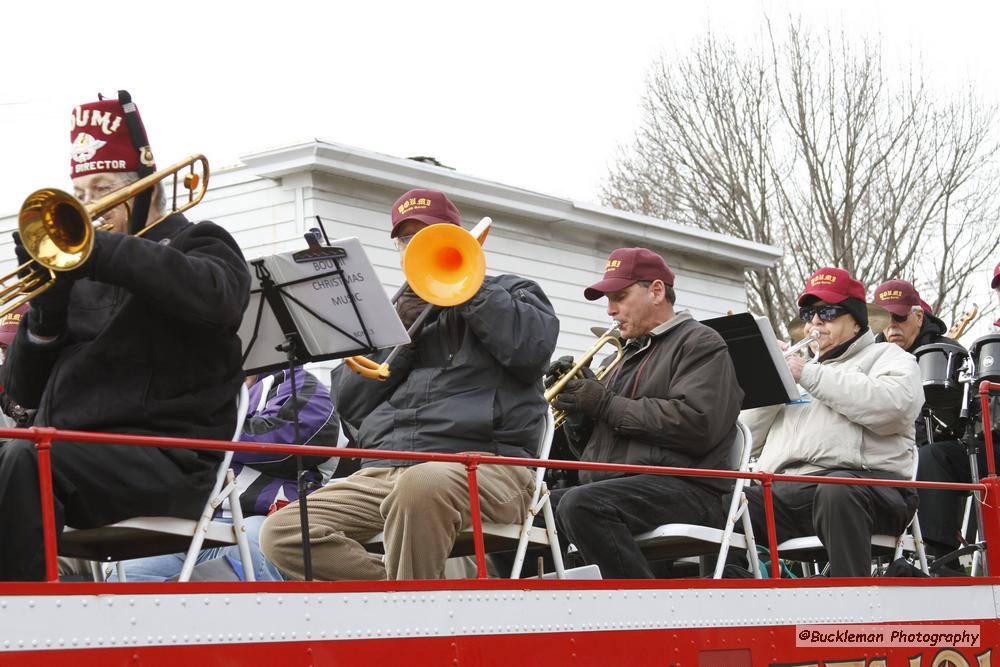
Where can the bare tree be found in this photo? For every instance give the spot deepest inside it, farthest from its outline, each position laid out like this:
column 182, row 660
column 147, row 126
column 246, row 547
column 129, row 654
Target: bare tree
column 806, row 142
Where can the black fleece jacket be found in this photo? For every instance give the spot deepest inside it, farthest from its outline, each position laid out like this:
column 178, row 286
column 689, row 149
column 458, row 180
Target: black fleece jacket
column 151, row 343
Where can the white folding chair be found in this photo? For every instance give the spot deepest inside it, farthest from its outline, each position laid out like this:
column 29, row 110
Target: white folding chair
column 911, row 540
column 504, row 537
column 674, row 541
column 140, row 537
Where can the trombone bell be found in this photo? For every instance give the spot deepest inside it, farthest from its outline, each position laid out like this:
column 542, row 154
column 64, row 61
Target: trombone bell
column 444, row 264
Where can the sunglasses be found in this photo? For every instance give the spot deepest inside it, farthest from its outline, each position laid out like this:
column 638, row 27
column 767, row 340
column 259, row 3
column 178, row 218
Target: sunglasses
column 827, row 313
column 900, row 318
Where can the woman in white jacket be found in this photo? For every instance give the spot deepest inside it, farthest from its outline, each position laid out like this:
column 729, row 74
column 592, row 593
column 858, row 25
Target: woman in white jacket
column 855, row 419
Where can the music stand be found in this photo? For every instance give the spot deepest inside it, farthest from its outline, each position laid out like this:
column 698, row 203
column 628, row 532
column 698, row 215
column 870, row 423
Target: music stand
column 760, row 363
column 285, row 329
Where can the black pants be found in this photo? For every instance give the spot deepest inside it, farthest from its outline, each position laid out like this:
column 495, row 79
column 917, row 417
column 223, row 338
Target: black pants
column 843, row 517
column 93, row 485
column 941, row 511
column 600, row 518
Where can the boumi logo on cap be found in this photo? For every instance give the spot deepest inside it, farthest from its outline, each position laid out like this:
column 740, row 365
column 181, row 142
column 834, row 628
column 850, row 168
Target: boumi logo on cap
column 890, row 294
column 105, row 120
column 412, row 203
column 612, row 265
column 10, row 318
column 822, row 279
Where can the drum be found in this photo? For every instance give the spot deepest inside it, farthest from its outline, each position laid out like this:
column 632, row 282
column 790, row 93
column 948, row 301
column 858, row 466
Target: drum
column 940, row 364
column 985, row 352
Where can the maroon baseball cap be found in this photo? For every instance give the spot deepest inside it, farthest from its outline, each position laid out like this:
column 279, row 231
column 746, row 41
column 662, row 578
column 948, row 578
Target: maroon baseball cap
column 427, row 206
column 627, row 266
column 899, row 297
column 9, row 324
column 996, row 276
column 833, row 286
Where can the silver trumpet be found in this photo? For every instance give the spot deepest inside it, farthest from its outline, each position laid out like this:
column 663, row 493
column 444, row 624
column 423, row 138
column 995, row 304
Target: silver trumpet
column 811, row 338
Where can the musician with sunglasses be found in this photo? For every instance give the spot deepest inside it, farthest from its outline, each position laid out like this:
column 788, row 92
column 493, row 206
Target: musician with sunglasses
column 946, row 459
column 913, row 322
column 855, row 419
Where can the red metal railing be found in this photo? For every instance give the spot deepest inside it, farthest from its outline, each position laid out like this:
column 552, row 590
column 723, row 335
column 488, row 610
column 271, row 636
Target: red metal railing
column 44, row 438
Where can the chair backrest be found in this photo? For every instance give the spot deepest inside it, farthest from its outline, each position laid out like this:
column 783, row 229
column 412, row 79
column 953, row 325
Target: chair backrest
column 242, row 405
column 546, row 436
column 742, row 447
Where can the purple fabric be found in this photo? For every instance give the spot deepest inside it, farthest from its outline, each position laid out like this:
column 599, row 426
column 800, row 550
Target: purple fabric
column 275, row 423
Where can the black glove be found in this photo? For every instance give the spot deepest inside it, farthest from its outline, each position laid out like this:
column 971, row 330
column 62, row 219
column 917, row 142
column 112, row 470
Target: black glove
column 559, row 367
column 47, row 316
column 409, row 306
column 588, row 397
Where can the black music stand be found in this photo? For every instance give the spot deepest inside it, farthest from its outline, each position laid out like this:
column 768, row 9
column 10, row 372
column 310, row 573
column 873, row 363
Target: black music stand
column 280, row 302
column 759, row 362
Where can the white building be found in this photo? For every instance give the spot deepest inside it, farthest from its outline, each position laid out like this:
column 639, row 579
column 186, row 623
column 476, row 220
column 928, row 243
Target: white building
column 273, row 198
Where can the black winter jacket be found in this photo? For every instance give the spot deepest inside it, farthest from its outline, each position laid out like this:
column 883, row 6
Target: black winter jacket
column 151, row 345
column 471, row 381
column 676, row 401
column 932, row 330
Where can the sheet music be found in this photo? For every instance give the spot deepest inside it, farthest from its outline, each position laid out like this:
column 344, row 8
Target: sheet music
column 327, row 297
column 759, row 362
column 777, row 356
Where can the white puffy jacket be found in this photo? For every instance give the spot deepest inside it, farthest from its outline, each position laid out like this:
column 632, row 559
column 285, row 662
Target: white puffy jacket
column 856, row 413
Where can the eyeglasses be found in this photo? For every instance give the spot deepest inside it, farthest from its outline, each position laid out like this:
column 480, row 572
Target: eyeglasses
column 403, row 241
column 827, row 313
column 899, row 319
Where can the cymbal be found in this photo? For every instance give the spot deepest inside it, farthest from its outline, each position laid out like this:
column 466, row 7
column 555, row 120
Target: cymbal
column 878, row 319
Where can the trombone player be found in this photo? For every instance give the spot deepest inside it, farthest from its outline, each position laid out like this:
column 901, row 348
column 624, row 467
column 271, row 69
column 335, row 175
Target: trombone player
column 469, row 382
column 673, row 400
column 140, row 338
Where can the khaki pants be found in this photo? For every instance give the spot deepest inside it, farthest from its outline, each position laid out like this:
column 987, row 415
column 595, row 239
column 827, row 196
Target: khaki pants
column 421, row 508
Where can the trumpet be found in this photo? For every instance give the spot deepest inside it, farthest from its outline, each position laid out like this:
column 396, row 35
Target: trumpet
column 808, row 340
column 609, row 337
column 58, row 230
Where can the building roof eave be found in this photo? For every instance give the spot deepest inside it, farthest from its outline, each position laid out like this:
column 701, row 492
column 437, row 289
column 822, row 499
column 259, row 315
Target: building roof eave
column 370, row 167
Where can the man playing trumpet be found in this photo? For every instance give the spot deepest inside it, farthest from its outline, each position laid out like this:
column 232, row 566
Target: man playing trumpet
column 673, row 400
column 855, row 420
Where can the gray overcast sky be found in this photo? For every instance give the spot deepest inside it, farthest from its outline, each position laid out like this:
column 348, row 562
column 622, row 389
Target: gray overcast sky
column 534, row 94
column 538, row 94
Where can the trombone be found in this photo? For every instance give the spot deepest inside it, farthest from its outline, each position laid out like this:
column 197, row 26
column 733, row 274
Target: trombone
column 57, row 229
column 609, row 337
column 445, row 266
